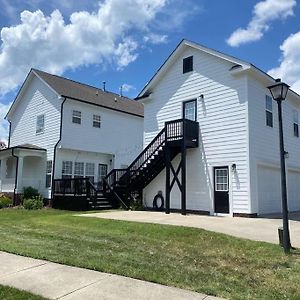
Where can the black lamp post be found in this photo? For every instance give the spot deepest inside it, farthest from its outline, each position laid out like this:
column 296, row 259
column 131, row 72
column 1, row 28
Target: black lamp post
column 279, row 91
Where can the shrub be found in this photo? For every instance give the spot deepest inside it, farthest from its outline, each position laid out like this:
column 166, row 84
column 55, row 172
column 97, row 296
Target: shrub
column 35, row 202
column 5, row 201
column 30, row 192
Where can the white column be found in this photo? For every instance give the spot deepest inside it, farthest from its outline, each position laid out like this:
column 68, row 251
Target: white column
column 19, row 187
column 3, row 171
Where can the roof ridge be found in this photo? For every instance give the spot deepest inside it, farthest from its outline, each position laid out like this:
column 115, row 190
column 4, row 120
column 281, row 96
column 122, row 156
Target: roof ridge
column 82, row 83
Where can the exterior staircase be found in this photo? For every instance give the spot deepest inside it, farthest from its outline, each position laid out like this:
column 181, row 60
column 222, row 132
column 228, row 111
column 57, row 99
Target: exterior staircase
column 125, row 185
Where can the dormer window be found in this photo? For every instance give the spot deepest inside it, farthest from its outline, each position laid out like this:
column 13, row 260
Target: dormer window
column 187, row 64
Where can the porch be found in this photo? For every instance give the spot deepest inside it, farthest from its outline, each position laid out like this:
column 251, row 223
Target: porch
column 22, row 166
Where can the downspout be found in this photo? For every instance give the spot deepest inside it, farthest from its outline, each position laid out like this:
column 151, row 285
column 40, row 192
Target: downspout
column 55, row 147
column 16, row 176
column 9, row 132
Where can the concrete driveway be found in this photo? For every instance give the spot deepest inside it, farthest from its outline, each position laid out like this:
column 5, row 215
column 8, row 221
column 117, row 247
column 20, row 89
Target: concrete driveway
column 257, row 229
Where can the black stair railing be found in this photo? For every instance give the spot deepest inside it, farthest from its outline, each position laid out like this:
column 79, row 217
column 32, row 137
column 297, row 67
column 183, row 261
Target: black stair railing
column 175, row 131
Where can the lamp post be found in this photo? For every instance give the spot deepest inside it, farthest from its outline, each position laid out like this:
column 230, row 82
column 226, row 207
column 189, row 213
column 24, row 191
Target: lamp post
column 279, row 91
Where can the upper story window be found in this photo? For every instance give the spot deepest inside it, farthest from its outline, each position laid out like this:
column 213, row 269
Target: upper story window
column 296, row 123
column 66, row 171
column 76, row 117
column 96, row 121
column 190, row 110
column 269, row 111
column 187, row 64
column 40, row 123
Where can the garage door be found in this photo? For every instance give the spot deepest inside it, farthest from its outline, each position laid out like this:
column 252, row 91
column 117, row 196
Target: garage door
column 268, row 190
column 294, row 191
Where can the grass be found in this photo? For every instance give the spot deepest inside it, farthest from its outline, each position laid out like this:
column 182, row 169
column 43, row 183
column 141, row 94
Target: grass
column 188, row 258
column 9, row 293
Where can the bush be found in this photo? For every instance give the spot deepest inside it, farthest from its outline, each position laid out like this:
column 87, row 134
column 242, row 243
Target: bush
column 30, row 192
column 33, row 203
column 5, row 201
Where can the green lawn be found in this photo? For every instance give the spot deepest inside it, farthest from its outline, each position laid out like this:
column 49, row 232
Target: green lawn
column 8, row 293
column 188, row 258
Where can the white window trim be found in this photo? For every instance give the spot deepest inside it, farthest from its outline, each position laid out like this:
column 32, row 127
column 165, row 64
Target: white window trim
column 76, row 114
column 42, row 127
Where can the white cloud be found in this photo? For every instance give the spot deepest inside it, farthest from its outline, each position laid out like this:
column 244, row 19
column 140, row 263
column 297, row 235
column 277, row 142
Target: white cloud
column 111, row 34
column 127, row 87
column 3, row 123
column 289, row 68
column 156, row 38
column 264, row 13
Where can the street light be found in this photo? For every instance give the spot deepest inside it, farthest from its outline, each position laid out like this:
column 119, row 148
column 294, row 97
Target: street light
column 279, row 91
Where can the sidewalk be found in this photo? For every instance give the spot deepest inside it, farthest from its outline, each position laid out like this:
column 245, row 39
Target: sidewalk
column 55, row 281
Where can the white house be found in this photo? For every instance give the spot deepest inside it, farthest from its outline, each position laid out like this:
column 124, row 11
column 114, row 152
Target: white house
column 236, row 168
column 67, row 129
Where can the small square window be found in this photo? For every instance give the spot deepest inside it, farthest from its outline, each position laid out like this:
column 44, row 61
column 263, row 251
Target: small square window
column 96, row 121
column 76, row 117
column 40, row 123
column 187, row 65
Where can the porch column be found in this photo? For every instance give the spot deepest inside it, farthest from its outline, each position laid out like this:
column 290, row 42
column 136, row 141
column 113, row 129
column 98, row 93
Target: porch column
column 3, row 171
column 19, row 175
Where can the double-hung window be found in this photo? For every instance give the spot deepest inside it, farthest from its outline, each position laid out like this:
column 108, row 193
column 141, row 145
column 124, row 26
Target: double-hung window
column 190, row 110
column 296, row 123
column 90, row 171
column 96, row 121
column 48, row 173
column 269, row 111
column 67, row 167
column 40, row 124
column 79, row 170
column 76, row 117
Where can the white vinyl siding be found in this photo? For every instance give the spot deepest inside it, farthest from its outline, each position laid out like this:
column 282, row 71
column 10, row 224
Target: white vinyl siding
column 264, row 151
column 121, row 134
column 222, row 117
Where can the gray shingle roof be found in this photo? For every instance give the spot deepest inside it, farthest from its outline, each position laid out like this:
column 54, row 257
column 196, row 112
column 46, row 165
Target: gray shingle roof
column 83, row 92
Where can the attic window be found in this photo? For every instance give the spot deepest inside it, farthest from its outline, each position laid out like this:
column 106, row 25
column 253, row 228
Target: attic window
column 187, row 64
column 40, row 123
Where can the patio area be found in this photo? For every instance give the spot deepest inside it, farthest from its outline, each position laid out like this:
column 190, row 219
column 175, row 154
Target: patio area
column 257, row 229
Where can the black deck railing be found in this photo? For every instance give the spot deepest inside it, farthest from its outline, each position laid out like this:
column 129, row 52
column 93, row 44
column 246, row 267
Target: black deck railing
column 75, row 187
column 181, row 130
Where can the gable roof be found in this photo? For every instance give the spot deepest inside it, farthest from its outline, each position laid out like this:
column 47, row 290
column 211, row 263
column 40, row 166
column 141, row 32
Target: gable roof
column 85, row 93
column 241, row 64
column 90, row 94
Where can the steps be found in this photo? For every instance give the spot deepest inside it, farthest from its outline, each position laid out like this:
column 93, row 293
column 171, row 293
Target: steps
column 101, row 202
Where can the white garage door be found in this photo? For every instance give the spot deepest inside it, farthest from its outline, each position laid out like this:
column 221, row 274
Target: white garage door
column 269, row 191
column 294, row 191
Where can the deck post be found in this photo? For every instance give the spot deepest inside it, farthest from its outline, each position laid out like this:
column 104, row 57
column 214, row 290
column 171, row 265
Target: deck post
column 167, row 158
column 183, row 171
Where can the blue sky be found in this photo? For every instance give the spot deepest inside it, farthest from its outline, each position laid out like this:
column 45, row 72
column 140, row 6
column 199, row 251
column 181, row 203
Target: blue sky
column 123, row 42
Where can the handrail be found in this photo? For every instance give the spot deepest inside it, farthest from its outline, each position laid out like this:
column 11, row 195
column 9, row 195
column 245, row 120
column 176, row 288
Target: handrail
column 116, row 195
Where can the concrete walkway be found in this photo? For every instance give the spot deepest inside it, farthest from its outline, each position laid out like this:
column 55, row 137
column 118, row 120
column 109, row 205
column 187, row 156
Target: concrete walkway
column 257, row 229
column 55, row 281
